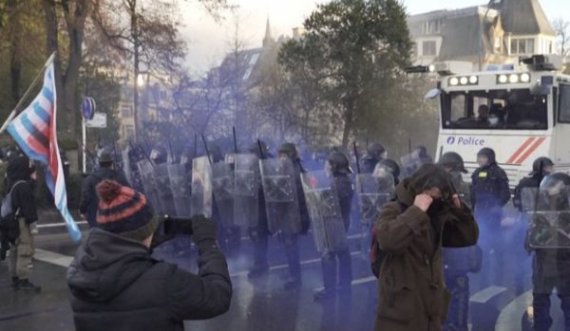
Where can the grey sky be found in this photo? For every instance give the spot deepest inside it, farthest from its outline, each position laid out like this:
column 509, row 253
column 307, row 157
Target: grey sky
column 209, row 40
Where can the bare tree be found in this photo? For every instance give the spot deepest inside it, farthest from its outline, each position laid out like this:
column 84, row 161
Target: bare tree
column 562, row 29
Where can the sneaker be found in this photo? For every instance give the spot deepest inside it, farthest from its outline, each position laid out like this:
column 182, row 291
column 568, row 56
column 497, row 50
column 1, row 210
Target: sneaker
column 257, row 272
column 26, row 285
column 324, row 295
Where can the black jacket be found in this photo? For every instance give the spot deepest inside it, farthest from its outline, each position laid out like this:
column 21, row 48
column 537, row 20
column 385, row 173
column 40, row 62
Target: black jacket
column 527, row 182
column 116, row 285
column 342, row 185
column 23, row 199
column 89, row 199
column 490, row 187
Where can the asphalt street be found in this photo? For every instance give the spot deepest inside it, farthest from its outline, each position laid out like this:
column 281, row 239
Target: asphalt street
column 501, row 303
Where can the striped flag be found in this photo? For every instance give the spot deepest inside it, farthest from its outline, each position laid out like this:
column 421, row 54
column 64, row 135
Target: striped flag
column 35, row 131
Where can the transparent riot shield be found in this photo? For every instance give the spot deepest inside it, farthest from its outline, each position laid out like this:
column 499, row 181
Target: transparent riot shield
column 246, row 190
column 163, row 189
column 202, row 198
column 548, row 212
column 281, row 199
column 411, row 163
column 222, row 188
column 180, row 185
column 329, row 231
column 127, row 166
column 373, row 191
column 146, row 173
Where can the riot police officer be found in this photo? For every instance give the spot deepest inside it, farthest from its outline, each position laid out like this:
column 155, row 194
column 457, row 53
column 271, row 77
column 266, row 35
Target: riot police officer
column 551, row 262
column 89, row 199
column 458, row 262
column 374, row 154
column 541, row 168
column 337, row 265
column 388, row 166
column 290, row 241
column 259, row 235
column 490, row 193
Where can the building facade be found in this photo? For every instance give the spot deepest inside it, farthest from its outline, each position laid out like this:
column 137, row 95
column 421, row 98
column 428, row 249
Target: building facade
column 482, row 35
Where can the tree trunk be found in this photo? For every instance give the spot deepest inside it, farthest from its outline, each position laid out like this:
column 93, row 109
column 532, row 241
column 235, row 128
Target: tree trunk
column 15, row 36
column 348, row 121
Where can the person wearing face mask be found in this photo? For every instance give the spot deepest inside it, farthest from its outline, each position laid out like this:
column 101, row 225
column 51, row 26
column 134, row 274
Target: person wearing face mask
column 551, row 258
column 490, row 193
column 426, row 216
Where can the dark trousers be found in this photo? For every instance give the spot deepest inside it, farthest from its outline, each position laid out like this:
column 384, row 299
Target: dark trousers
column 337, row 269
column 458, row 315
column 543, row 286
column 291, row 245
column 260, row 242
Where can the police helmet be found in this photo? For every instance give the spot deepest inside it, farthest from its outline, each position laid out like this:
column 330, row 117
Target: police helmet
column 454, row 161
column 290, row 150
column 540, row 164
column 339, row 162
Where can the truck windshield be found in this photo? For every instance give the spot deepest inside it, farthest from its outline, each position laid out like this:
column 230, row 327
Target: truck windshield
column 494, row 110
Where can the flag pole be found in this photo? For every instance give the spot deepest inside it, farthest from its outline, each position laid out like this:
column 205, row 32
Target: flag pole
column 26, row 94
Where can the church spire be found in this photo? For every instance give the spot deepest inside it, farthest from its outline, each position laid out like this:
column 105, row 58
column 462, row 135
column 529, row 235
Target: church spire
column 268, row 39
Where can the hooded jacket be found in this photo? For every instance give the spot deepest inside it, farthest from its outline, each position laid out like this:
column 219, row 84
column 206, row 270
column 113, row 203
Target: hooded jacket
column 89, row 199
column 413, row 296
column 116, row 285
column 23, row 200
column 490, row 184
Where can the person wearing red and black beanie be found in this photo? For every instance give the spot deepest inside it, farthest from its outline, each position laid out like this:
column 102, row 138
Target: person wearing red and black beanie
column 117, row 285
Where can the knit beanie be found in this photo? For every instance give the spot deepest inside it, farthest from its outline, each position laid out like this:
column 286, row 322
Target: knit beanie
column 124, row 211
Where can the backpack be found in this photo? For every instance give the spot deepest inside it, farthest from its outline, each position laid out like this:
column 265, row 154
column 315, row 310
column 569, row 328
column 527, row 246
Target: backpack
column 377, row 255
column 9, row 217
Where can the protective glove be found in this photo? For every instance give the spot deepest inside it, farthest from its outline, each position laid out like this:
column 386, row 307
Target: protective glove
column 204, row 232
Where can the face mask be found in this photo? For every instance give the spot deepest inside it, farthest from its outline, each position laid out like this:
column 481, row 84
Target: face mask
column 494, row 121
column 384, row 155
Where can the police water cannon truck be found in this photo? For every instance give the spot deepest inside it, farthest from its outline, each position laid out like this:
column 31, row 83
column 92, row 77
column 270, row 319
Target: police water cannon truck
column 521, row 111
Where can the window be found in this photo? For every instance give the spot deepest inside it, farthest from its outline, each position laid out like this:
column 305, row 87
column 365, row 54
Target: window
column 432, row 27
column 429, row 48
column 564, row 112
column 414, row 54
column 505, row 110
column 522, row 46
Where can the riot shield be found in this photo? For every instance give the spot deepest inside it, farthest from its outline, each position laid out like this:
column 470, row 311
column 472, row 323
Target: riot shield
column 127, row 166
column 246, row 190
column 180, row 186
column 548, row 211
column 323, row 204
column 201, row 200
column 373, row 192
column 146, row 173
column 163, row 189
column 281, row 199
column 411, row 163
column 222, row 188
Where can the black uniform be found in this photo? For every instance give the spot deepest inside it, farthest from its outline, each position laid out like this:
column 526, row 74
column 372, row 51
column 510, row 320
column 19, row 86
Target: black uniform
column 551, row 266
column 458, row 263
column 259, row 235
